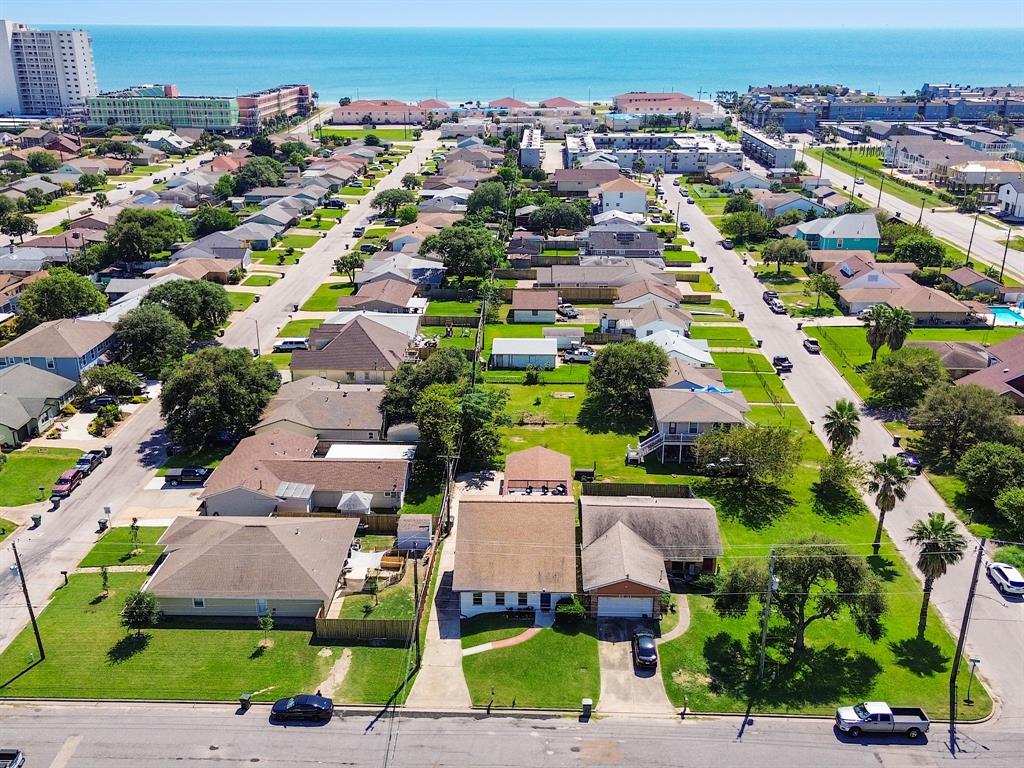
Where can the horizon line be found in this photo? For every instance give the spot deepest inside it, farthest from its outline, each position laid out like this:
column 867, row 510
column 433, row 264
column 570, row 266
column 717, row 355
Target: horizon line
column 577, row 28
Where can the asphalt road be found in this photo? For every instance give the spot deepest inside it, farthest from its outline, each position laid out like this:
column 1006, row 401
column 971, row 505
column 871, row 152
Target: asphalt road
column 996, row 634
column 101, row 736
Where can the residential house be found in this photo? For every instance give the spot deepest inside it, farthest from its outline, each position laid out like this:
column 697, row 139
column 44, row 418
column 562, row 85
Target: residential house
column 35, row 137
column 65, row 243
column 359, row 352
column 1011, row 199
column 959, row 358
column 644, row 292
column 645, row 320
column 852, row 231
column 771, row 206
column 279, row 471
column 676, row 345
column 410, row 237
column 983, row 177
column 384, row 296
column 287, row 568
column 516, row 553
column 618, row 217
column 734, row 182
column 537, row 471
column 830, row 200
column 403, row 322
column 216, row 245
column 401, row 266
column 22, row 262
column 326, row 410
column 683, row 375
column 966, row 278
column 623, row 242
column 927, row 158
column 64, row 347
column 821, row 260
column 168, row 141
column 682, row 415
column 1005, row 372
column 30, row 399
column 259, row 237
column 565, row 336
column 11, row 287
column 719, row 172
column 197, row 268
column 602, row 274
column 519, row 354
column 632, row 545
column 622, row 194
column 19, row 188
column 534, row 306
column 579, row 181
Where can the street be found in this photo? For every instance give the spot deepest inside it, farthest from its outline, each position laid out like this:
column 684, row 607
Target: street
column 101, row 735
column 997, row 626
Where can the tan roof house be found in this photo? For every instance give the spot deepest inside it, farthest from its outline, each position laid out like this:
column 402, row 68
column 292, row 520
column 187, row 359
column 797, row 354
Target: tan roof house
column 534, row 306
column 1005, row 374
column 359, row 352
column 395, row 296
column 537, row 471
column 326, row 410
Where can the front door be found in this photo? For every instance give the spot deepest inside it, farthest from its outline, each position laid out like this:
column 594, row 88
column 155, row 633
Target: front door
column 545, row 601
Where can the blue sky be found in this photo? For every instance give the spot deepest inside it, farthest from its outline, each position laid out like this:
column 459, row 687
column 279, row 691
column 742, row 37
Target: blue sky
column 526, row 13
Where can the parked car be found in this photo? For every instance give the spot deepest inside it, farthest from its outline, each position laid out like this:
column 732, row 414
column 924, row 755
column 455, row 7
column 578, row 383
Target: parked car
column 645, row 650
column 66, row 483
column 675, row 182
column 782, row 364
column 812, row 346
column 777, row 307
column 728, row 244
column 1007, row 579
column 689, row 201
column 11, row 758
column 910, row 461
column 87, row 462
column 306, row 706
column 291, row 344
column 335, row 204
column 355, row 183
column 859, row 179
column 768, row 296
column 684, row 226
column 359, row 231
column 187, row 475
column 568, row 310
column 392, row 222
column 578, row 355
column 95, row 403
column 879, row 717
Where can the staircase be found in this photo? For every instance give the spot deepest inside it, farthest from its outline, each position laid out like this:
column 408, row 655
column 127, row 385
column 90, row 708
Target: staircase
column 652, row 443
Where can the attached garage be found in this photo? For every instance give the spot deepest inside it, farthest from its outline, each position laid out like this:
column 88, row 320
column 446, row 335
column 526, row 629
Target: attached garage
column 609, row 607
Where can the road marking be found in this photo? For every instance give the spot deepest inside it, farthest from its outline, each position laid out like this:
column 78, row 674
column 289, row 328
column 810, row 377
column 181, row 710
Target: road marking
column 67, row 751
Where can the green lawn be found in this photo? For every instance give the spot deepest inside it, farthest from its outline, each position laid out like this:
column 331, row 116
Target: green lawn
column 575, row 373
column 872, row 180
column 6, row 528
column 742, row 362
column 59, row 204
column 756, row 388
column 299, row 241
column 28, row 469
column 462, row 338
column 205, row 457
column 384, row 134
column 375, row 674
column 423, row 496
column 704, row 283
column 722, row 335
column 355, row 191
column 277, row 257
column 115, row 548
column 90, row 656
column 279, row 359
column 556, row 668
column 681, row 258
column 488, row 628
column 298, row 328
column 332, row 213
column 309, row 222
column 260, row 280
column 325, row 298
column 553, row 407
column 453, row 308
column 241, row 300
column 395, row 602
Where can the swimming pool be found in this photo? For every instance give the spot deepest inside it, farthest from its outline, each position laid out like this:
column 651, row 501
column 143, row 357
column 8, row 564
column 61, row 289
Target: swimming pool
column 1007, row 316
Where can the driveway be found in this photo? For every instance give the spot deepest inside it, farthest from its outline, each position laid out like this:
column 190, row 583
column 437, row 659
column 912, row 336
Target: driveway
column 624, row 688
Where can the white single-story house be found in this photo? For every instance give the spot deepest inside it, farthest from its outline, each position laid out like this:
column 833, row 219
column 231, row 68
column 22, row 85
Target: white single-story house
column 566, row 337
column 522, row 353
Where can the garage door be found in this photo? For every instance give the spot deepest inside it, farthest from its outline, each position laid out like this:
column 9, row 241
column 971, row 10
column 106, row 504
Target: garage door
column 627, row 607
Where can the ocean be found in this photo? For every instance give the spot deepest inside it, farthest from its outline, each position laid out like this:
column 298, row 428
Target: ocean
column 461, row 64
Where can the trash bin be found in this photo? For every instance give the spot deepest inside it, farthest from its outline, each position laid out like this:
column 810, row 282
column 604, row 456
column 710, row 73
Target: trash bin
column 245, row 700
column 759, row 342
column 108, row 449
column 800, row 326
column 587, row 707
column 711, row 270
column 37, row 520
column 102, row 523
column 256, row 299
column 741, row 315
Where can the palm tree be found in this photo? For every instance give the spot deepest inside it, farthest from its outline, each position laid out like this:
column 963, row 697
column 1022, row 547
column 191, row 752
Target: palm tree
column 888, row 480
column 877, row 326
column 842, row 425
column 940, row 545
column 899, row 326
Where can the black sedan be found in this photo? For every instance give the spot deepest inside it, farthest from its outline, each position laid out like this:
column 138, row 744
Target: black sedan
column 305, row 707
column 645, row 651
column 911, row 462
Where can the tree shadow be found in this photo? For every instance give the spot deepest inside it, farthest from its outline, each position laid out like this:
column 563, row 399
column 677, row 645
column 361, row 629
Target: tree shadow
column 819, row 676
column 598, row 415
column 98, row 599
column 731, row 665
column 153, row 449
column 920, row 655
column 258, row 652
column 835, row 502
column 755, row 505
column 127, row 647
column 882, row 567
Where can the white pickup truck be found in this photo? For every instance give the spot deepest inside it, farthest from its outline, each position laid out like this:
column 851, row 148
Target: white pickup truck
column 879, row 717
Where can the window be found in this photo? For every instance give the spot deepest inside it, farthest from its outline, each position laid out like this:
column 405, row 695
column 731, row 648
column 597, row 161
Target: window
column 261, row 606
column 371, row 436
column 524, row 599
column 671, row 427
column 478, row 598
column 50, row 364
column 198, row 602
column 499, row 598
column 692, row 428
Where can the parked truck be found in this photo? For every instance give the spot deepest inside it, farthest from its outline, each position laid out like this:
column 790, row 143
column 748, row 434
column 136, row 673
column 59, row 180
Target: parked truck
column 879, row 717
column 11, row 758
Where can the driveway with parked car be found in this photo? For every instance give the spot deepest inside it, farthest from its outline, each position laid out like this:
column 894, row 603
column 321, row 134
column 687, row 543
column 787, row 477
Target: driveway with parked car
column 627, row 687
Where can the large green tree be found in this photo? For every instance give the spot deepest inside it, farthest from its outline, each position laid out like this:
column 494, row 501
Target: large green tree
column 757, row 455
column 17, row 224
column 447, row 366
column 258, row 172
column 746, row 226
column 788, row 250
column 954, row 418
column 468, row 251
column 208, row 219
column 901, row 379
column 60, row 294
column 483, row 416
column 216, row 389
column 390, row 200
column 149, row 338
column 138, row 233
column 939, row 545
column 114, row 379
column 923, row 250
column 818, row 578
column 557, row 215
column 489, row 196
column 988, row 469
column 438, row 418
column 621, row 375
column 201, row 305
column 42, row 162
column 888, row 479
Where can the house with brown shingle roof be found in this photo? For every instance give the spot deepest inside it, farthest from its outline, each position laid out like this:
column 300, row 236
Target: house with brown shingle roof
column 645, row 320
column 514, row 552
column 326, row 410
column 359, row 352
column 534, row 306
column 396, row 296
column 245, row 566
column 537, row 471
column 968, row 278
column 1005, row 373
column 959, row 358
column 649, row 291
column 281, row 471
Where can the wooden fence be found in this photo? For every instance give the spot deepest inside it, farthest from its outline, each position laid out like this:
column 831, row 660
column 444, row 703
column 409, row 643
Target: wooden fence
column 445, row 294
column 695, row 298
column 367, row 631
column 515, row 274
column 658, row 490
column 584, row 295
column 459, row 321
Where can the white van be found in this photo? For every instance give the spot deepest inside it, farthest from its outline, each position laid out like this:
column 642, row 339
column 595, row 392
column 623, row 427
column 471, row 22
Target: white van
column 290, row 345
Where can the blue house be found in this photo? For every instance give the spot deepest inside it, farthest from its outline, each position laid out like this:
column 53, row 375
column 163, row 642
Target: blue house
column 64, row 347
column 850, row 232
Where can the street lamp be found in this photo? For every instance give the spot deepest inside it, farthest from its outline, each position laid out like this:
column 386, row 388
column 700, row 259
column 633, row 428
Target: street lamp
column 974, row 665
column 920, row 216
column 258, row 345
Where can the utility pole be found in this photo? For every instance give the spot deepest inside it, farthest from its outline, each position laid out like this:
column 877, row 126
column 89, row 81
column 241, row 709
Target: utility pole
column 28, row 602
column 419, row 616
column 970, row 242
column 1006, row 247
column 960, row 645
column 772, row 586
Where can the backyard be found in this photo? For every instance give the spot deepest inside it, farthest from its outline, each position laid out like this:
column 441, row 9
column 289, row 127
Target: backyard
column 29, row 469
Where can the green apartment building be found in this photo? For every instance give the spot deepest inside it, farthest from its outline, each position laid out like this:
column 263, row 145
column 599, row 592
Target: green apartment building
column 162, row 105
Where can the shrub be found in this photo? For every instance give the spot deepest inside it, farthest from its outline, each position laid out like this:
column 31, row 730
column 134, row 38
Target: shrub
column 532, row 375
column 706, row 582
column 69, row 410
column 1010, row 506
column 665, row 601
column 570, row 610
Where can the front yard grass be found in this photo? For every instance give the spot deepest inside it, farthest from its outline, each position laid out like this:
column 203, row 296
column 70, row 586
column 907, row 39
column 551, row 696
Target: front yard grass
column 681, row 258
column 6, row 528
column 279, row 359
column 325, row 298
column 374, row 674
column 299, row 241
column 756, row 388
column 204, row 457
column 241, row 300
column 29, row 469
column 260, row 280
column 90, row 656
column 704, row 283
column 115, row 548
column 310, row 222
column 332, row 213
column 278, row 257
column 298, row 328
column 722, row 336
column 742, row 362
column 554, row 669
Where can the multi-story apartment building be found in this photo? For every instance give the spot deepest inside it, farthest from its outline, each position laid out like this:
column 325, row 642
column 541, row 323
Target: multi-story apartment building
column 257, row 108
column 44, row 72
column 770, row 152
column 163, row 105
column 669, row 152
